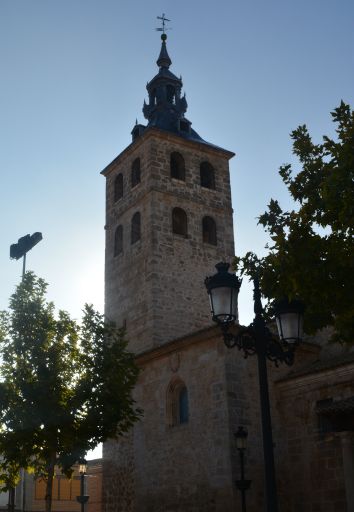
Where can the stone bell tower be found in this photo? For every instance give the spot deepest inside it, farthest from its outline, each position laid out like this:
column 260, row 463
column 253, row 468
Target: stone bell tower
column 168, row 220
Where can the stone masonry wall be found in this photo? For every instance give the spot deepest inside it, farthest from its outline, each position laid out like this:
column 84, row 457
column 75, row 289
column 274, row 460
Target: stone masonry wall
column 179, row 468
column 181, row 264
column 312, row 462
column 194, row 466
column 186, row 467
column 118, row 485
column 127, row 276
column 155, row 286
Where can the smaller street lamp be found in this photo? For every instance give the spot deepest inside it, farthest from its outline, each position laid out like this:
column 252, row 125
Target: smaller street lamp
column 241, row 444
column 83, row 498
column 82, row 466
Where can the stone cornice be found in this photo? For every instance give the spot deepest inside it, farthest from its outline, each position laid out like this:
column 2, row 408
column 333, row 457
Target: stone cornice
column 207, row 334
column 341, row 373
column 167, row 136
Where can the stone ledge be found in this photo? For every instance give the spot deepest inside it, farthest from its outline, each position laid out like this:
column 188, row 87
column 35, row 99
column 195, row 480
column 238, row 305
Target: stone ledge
column 160, row 134
column 319, row 366
column 209, row 333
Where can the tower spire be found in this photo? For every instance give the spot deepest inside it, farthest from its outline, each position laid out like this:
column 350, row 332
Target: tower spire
column 164, row 60
column 166, row 105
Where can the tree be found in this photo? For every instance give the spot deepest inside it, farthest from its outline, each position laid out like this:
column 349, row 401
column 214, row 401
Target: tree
column 312, row 251
column 64, row 387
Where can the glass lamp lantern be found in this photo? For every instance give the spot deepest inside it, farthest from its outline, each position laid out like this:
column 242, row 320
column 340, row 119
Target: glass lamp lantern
column 289, row 317
column 223, row 289
column 82, row 466
column 241, row 438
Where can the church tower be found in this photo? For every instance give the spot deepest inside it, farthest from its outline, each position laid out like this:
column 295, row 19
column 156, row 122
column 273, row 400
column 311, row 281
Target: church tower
column 168, row 220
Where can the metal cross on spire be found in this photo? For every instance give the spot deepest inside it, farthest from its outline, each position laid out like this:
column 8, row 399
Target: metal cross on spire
column 163, row 21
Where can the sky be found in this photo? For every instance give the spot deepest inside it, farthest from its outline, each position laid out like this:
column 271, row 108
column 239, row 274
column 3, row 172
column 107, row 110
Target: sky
column 73, row 77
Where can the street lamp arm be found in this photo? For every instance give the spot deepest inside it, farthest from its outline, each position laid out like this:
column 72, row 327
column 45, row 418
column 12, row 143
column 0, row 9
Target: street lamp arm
column 243, row 340
column 278, row 352
column 249, row 342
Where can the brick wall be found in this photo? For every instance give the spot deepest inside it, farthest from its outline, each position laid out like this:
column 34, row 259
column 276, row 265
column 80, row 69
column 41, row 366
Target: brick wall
column 94, row 485
column 66, row 490
column 312, row 461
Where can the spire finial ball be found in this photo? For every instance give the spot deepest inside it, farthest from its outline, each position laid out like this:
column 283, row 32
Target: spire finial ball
column 163, row 37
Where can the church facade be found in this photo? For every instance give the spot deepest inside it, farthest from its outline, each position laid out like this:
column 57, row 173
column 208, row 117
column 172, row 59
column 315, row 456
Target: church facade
column 168, row 222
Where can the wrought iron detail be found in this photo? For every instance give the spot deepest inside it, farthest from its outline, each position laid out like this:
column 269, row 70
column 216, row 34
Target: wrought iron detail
column 247, row 341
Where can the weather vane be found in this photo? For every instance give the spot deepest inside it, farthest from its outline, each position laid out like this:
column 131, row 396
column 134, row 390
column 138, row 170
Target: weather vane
column 163, row 21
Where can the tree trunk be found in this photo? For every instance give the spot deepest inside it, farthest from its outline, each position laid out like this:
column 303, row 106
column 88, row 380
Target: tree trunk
column 49, row 489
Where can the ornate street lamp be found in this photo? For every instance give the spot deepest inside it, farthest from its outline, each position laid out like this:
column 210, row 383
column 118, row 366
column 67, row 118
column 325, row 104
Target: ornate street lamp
column 83, row 498
column 241, row 444
column 223, row 289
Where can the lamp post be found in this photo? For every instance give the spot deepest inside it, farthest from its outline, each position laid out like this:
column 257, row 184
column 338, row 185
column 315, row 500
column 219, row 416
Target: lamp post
column 241, row 444
column 223, row 289
column 11, row 500
column 83, row 498
column 24, row 244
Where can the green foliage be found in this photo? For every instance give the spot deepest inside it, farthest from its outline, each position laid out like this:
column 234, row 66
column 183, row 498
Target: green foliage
column 311, row 255
column 64, row 387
